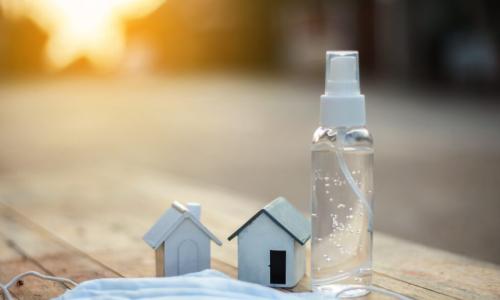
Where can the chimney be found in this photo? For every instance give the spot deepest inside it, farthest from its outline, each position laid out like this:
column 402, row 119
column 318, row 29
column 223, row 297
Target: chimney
column 195, row 209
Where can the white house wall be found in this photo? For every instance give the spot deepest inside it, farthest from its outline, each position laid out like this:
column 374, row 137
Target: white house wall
column 186, row 230
column 300, row 261
column 254, row 243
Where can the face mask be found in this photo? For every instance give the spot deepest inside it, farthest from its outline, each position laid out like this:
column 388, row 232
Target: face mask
column 208, row 284
column 205, row 285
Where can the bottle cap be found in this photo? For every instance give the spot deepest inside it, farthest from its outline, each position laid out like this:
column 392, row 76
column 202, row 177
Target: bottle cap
column 342, row 105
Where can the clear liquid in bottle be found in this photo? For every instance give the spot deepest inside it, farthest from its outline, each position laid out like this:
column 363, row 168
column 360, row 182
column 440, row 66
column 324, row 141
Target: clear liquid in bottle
column 341, row 231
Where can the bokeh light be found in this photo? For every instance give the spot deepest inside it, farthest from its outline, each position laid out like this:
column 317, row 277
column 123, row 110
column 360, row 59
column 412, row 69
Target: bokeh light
column 91, row 29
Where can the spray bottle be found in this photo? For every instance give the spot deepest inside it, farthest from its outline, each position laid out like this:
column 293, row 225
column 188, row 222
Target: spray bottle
column 342, row 184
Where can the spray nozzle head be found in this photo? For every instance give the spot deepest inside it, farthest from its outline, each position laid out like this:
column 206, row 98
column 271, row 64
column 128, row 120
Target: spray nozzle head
column 342, row 105
column 342, row 73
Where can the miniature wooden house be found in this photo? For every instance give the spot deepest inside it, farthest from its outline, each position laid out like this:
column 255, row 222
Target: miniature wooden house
column 271, row 245
column 181, row 242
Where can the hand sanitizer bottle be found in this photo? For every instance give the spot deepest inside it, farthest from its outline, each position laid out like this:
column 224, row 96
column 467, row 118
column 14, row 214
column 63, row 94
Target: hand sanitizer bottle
column 342, row 184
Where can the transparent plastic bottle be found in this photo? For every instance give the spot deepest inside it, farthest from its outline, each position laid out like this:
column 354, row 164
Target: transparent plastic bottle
column 342, row 184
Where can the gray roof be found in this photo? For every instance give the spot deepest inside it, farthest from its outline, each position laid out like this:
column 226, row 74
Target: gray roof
column 168, row 223
column 286, row 216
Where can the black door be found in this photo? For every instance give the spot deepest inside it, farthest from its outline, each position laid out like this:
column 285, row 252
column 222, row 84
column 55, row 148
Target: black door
column 278, row 266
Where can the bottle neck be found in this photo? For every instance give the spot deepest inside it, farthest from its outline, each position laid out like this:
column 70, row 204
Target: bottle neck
column 342, row 111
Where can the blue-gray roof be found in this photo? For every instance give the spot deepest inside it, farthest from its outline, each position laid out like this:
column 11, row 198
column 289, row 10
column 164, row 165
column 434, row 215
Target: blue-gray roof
column 286, row 216
column 169, row 222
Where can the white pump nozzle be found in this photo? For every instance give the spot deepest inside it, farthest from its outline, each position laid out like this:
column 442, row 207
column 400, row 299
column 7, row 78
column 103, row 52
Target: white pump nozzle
column 342, row 104
column 342, row 74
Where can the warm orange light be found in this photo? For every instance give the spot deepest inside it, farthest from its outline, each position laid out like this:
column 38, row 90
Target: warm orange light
column 82, row 28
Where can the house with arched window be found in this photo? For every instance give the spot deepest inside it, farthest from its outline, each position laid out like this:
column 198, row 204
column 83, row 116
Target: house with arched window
column 181, row 242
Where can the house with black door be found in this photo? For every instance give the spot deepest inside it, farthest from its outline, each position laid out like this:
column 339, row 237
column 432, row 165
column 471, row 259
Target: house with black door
column 271, row 247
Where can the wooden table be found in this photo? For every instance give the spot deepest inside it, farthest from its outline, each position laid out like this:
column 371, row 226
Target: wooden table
column 88, row 223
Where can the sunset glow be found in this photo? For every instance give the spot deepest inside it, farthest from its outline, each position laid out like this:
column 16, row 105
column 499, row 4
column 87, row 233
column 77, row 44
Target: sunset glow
column 92, row 29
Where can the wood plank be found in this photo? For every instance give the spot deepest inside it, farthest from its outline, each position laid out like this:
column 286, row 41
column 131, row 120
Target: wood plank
column 383, row 281
column 406, row 288
column 78, row 223
column 31, row 248
column 113, row 208
column 30, row 288
column 14, row 261
column 441, row 271
column 35, row 288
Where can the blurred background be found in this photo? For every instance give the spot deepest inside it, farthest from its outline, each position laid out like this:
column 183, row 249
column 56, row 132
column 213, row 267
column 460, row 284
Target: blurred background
column 226, row 93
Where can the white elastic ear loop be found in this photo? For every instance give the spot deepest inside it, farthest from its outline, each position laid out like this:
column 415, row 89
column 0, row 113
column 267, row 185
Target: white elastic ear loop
column 5, row 287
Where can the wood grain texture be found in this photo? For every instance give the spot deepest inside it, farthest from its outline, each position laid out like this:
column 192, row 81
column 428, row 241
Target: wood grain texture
column 27, row 247
column 17, row 262
column 159, row 261
column 94, row 224
column 441, row 271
